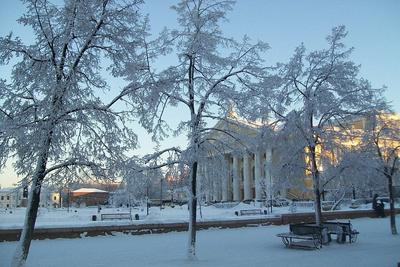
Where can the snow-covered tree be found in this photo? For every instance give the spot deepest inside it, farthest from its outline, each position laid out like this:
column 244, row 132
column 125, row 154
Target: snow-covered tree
column 381, row 153
column 52, row 114
column 313, row 95
column 348, row 173
column 140, row 182
column 211, row 69
column 176, row 180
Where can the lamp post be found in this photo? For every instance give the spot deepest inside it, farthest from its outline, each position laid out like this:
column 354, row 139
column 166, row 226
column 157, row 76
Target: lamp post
column 68, row 198
column 147, row 199
column 161, row 193
column 270, row 190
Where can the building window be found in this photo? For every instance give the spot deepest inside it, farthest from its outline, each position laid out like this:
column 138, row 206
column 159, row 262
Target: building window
column 8, row 205
column 8, row 197
column 55, row 197
column 2, row 197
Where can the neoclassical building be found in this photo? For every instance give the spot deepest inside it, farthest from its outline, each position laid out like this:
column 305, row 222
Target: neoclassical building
column 242, row 170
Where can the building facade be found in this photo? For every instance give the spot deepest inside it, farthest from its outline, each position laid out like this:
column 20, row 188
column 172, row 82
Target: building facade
column 10, row 198
column 89, row 197
column 245, row 172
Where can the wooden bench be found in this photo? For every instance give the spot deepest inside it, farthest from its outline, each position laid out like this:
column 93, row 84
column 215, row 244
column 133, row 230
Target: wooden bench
column 116, row 216
column 306, row 236
column 341, row 230
column 249, row 212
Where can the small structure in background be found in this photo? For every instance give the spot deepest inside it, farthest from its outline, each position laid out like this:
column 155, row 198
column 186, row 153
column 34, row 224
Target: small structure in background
column 16, row 197
column 55, row 199
column 379, row 207
column 10, row 197
column 89, row 197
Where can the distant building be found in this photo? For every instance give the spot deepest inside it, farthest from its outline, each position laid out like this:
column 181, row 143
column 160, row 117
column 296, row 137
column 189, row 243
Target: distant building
column 15, row 197
column 55, row 200
column 89, row 197
column 245, row 172
column 10, row 197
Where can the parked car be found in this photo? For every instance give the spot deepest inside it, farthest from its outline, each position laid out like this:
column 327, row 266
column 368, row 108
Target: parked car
column 356, row 203
column 327, row 205
column 271, row 202
column 383, row 199
column 284, row 202
column 277, row 202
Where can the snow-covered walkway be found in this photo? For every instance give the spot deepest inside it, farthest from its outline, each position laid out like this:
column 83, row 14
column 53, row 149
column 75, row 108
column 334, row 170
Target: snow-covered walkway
column 256, row 246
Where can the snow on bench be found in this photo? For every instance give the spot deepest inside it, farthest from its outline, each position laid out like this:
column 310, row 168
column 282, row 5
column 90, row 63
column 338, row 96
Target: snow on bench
column 307, row 241
column 306, row 236
column 116, row 216
column 249, row 212
column 341, row 230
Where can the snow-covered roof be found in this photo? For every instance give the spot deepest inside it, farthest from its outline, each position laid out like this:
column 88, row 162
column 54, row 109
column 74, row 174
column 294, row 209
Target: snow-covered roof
column 8, row 190
column 89, row 190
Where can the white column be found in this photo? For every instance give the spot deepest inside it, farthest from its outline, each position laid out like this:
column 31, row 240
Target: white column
column 230, row 193
column 246, row 177
column 236, row 182
column 219, row 189
column 199, row 181
column 257, row 174
column 224, row 182
column 267, row 171
column 224, row 185
column 215, row 190
column 207, row 181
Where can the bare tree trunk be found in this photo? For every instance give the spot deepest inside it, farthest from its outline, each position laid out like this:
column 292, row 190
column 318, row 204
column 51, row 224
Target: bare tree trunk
column 317, row 201
column 23, row 246
column 22, row 250
column 192, row 213
column 194, row 145
column 391, row 204
column 316, row 186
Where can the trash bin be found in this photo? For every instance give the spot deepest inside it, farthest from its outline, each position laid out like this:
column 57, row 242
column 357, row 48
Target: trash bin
column 136, row 216
column 94, row 218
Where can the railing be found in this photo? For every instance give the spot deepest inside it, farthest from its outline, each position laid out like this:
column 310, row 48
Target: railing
column 137, row 229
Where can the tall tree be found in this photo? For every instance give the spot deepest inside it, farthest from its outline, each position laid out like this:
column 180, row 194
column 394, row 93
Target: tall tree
column 381, row 151
column 52, row 115
column 211, row 69
column 314, row 93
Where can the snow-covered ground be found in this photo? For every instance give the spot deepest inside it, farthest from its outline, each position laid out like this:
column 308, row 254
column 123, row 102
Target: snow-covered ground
column 255, row 246
column 83, row 216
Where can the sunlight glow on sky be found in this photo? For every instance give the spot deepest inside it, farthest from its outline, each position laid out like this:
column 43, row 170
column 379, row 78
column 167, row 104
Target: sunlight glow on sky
column 373, row 27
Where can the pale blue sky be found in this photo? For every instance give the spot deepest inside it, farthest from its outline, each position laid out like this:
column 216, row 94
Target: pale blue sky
column 373, row 25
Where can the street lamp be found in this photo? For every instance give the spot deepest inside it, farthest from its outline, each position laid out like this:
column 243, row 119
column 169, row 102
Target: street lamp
column 161, row 200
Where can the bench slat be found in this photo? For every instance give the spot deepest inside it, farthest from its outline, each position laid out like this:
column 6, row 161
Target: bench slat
column 251, row 212
column 116, row 216
column 291, row 235
column 306, row 241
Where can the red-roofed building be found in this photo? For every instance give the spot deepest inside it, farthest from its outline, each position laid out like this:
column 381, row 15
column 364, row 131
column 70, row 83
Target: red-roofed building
column 89, row 197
